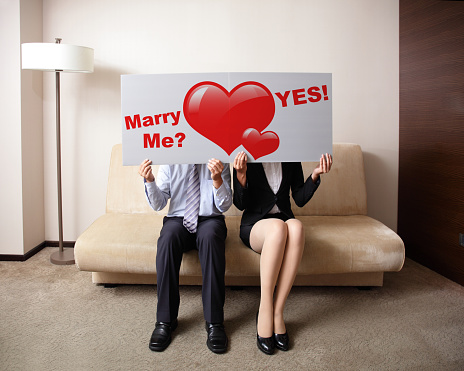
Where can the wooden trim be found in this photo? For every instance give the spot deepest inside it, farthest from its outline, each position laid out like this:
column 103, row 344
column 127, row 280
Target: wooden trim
column 35, row 250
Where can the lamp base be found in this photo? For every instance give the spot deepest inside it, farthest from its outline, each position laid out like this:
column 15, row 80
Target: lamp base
column 65, row 257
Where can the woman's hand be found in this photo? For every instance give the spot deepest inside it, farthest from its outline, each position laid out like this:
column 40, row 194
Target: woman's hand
column 240, row 165
column 216, row 167
column 145, row 171
column 325, row 164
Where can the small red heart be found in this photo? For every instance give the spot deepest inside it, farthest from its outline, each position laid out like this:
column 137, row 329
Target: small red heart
column 260, row 145
column 222, row 117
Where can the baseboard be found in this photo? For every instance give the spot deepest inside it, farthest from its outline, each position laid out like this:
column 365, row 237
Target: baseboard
column 56, row 244
column 35, row 250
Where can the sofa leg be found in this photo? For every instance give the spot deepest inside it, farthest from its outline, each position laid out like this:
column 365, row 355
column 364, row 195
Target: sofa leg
column 110, row 285
column 364, row 288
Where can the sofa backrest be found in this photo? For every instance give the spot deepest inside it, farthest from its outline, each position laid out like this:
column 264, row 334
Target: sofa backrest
column 342, row 191
column 126, row 191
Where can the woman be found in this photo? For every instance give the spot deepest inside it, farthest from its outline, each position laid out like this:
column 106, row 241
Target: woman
column 269, row 228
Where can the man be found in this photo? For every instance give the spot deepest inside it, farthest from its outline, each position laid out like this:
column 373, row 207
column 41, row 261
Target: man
column 199, row 195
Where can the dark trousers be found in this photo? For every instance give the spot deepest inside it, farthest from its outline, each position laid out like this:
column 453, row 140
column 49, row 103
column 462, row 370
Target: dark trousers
column 173, row 241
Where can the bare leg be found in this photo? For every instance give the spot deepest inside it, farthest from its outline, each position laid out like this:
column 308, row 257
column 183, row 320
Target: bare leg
column 268, row 237
column 291, row 261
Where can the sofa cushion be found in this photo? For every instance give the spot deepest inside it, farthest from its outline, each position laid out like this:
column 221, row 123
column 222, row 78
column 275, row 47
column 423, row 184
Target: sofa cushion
column 344, row 244
column 126, row 243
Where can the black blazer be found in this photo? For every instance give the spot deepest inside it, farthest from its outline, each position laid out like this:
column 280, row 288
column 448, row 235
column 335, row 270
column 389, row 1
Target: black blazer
column 257, row 198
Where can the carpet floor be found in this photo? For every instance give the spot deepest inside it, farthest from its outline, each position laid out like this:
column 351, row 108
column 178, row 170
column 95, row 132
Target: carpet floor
column 54, row 318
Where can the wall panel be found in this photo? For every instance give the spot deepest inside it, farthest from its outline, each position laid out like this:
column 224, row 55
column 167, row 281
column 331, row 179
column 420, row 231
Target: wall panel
column 431, row 144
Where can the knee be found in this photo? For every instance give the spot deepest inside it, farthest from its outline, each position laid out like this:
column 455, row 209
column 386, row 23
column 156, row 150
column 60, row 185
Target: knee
column 211, row 244
column 212, row 233
column 295, row 226
column 168, row 244
column 295, row 230
column 212, row 252
column 278, row 232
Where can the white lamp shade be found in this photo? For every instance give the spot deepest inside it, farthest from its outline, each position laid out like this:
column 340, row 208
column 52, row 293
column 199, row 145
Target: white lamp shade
column 56, row 57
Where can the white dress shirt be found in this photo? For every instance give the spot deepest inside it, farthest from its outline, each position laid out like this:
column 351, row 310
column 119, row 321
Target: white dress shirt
column 273, row 171
column 171, row 183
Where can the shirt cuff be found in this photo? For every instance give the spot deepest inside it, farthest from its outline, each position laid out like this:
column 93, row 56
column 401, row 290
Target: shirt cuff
column 150, row 186
column 318, row 181
column 220, row 192
column 150, row 190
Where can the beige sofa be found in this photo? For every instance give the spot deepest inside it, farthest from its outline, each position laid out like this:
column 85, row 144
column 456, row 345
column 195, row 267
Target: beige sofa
column 343, row 246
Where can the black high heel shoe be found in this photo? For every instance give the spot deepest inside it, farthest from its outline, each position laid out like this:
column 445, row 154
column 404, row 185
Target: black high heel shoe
column 265, row 345
column 281, row 341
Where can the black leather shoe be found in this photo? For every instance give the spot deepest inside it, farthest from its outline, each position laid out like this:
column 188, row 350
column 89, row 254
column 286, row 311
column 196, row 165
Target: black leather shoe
column 217, row 338
column 161, row 337
column 281, row 341
column 265, row 345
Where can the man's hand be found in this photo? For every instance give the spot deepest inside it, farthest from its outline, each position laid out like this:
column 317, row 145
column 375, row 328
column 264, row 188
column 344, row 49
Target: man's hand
column 240, row 165
column 145, row 171
column 216, row 167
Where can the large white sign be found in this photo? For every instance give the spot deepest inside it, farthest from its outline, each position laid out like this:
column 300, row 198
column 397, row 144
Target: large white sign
column 190, row 118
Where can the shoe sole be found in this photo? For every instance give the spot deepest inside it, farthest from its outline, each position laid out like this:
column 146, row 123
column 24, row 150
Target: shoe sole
column 216, row 350
column 264, row 351
column 160, row 349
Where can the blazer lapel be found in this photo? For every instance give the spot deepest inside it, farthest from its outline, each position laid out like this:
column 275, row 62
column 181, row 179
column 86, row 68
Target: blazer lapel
column 262, row 174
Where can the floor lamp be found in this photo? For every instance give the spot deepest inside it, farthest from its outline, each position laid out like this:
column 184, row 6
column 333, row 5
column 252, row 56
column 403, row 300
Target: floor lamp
column 57, row 57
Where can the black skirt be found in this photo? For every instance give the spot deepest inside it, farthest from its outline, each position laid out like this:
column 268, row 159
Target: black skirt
column 245, row 230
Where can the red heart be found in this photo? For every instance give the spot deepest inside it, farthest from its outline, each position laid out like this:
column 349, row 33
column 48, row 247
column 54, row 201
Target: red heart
column 260, row 145
column 222, row 117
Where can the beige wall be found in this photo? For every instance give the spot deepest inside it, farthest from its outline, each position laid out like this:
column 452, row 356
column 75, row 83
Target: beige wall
column 22, row 222
column 10, row 139
column 356, row 40
column 32, row 132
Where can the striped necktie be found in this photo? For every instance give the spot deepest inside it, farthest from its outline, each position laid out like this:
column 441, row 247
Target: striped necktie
column 192, row 205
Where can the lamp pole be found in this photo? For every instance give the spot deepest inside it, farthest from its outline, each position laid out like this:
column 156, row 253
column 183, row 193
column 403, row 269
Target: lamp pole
column 60, row 257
